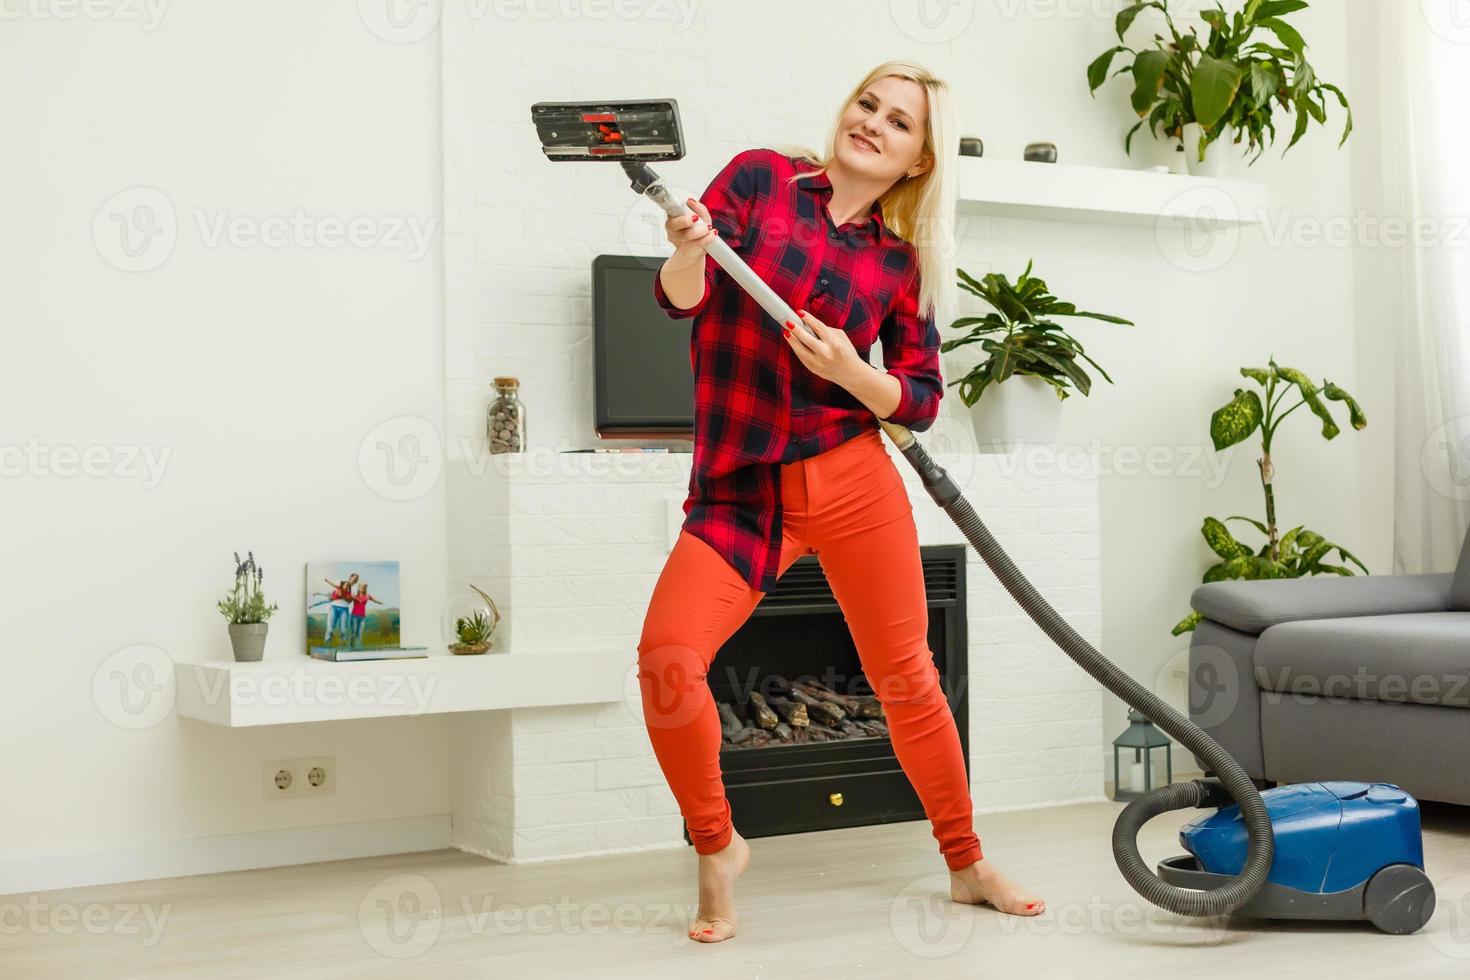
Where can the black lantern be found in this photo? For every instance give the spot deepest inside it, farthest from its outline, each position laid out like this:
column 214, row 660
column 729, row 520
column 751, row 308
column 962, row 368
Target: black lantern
column 1143, row 738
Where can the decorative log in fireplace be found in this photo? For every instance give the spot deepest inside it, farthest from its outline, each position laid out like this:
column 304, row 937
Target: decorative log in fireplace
column 805, row 741
column 827, row 714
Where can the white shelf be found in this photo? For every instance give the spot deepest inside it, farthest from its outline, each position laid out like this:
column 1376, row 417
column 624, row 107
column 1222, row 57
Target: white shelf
column 291, row 690
column 1059, row 192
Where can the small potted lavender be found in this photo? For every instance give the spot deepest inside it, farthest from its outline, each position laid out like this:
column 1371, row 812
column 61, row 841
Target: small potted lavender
column 246, row 610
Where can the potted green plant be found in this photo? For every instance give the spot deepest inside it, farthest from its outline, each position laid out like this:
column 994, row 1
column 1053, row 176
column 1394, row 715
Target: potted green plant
column 1020, row 341
column 1299, row 551
column 245, row 610
column 1196, row 91
column 475, row 630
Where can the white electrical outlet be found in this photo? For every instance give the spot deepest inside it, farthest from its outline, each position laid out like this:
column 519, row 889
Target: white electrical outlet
column 294, row 778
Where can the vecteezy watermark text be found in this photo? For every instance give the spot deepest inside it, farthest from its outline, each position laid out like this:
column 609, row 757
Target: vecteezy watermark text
column 299, row 229
column 148, row 14
column 136, row 229
column 36, row 459
column 1043, row 461
column 408, row 21
column 39, row 917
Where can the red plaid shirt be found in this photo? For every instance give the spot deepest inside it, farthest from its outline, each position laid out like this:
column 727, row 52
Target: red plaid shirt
column 756, row 405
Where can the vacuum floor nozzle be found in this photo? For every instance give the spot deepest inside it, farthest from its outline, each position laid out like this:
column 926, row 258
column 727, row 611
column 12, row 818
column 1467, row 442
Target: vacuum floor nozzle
column 622, row 131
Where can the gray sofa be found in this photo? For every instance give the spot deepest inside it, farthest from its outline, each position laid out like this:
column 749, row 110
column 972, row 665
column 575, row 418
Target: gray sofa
column 1328, row 677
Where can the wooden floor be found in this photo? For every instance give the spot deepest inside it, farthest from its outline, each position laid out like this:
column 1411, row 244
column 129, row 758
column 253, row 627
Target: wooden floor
column 867, row 902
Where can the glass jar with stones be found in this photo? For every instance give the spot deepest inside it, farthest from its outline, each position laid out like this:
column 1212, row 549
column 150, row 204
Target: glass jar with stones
column 505, row 419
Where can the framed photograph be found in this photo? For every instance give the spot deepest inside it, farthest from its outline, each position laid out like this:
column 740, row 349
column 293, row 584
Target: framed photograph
column 352, row 605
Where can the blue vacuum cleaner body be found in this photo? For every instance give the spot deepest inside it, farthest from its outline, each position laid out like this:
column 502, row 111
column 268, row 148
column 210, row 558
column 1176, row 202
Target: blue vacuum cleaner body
column 1344, row 850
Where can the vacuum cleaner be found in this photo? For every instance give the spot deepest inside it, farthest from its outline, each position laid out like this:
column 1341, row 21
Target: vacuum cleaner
column 1327, row 850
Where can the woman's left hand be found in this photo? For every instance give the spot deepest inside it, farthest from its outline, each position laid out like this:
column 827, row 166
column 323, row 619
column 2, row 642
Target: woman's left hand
column 828, row 355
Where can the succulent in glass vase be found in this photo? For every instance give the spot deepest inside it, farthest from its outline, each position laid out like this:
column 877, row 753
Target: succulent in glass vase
column 475, row 630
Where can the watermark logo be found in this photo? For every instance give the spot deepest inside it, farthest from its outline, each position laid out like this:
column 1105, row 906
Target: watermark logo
column 1450, row 19
column 950, row 441
column 679, row 13
column 1101, row 916
column 1445, row 459
column 1044, row 461
column 932, row 21
column 135, row 230
column 40, row 918
column 1104, row 10
column 927, row 922
column 399, row 917
column 672, row 690
column 298, row 228
column 134, row 687
column 1363, row 229
column 409, row 21
column 1209, row 679
column 1197, row 230
column 400, row 21
column 544, row 461
column 1289, row 682
column 402, row 458
column 147, row 14
column 408, row 693
column 1452, row 907
column 38, row 460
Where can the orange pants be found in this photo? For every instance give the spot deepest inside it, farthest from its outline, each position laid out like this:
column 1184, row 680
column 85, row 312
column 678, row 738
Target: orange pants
column 849, row 507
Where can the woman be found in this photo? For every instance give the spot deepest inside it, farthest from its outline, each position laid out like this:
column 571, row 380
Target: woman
column 789, row 459
column 340, row 608
column 359, row 615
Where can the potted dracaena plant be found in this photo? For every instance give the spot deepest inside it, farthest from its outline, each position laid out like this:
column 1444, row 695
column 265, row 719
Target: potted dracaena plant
column 1030, row 363
column 1233, row 81
column 246, row 611
column 1298, row 552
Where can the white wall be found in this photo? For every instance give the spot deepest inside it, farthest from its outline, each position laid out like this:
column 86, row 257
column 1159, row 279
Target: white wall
column 258, row 370
column 520, row 234
column 261, row 370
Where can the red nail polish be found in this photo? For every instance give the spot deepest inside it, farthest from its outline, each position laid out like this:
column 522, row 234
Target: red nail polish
column 708, row 931
column 790, row 326
column 802, row 313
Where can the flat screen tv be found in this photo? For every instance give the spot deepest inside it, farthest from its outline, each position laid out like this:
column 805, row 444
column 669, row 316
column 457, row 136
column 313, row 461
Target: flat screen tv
column 644, row 381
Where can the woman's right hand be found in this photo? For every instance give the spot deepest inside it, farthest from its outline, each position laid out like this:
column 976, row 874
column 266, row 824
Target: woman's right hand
column 692, row 234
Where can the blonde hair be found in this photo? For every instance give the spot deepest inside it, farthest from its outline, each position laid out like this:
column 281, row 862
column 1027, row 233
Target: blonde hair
column 920, row 210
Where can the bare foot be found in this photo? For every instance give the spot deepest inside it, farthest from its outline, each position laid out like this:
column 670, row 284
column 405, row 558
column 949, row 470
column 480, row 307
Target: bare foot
column 717, row 873
column 982, row 884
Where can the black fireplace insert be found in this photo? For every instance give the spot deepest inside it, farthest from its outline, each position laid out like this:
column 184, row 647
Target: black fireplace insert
column 841, row 770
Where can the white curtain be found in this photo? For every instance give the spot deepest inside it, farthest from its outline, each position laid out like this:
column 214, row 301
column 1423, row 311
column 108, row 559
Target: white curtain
column 1425, row 70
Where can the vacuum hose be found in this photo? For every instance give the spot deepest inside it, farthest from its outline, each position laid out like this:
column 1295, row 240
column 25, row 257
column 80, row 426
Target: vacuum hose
column 1178, row 796
column 1199, row 793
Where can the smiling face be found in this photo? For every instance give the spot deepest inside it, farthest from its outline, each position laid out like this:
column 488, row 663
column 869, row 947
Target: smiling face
column 881, row 134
